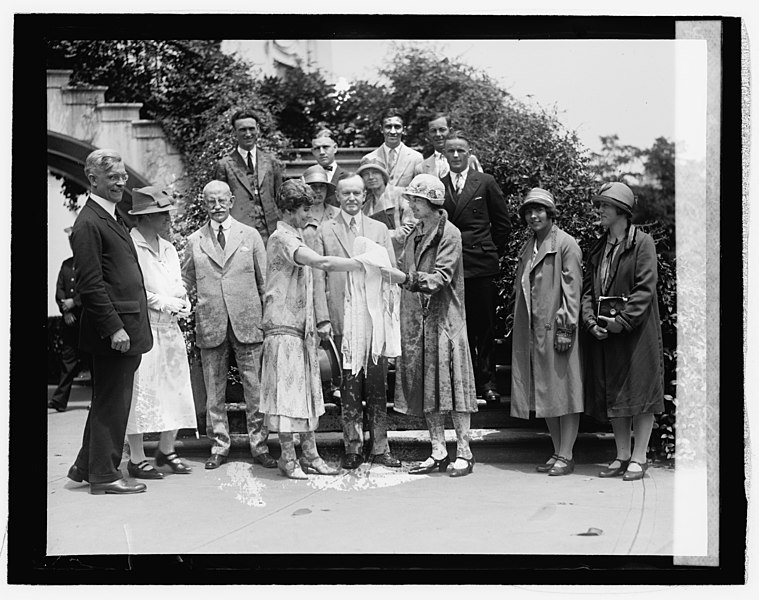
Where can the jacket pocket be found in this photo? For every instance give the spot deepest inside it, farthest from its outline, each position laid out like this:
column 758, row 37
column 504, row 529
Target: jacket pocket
column 126, row 306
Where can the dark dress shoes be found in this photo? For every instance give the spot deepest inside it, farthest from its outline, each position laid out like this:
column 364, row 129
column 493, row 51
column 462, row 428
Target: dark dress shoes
column 615, row 471
column 466, row 470
column 266, row 460
column 76, row 474
column 635, row 475
column 386, row 459
column 143, row 470
column 57, row 407
column 492, row 397
column 215, row 461
column 351, row 461
column 565, row 469
column 173, row 461
column 120, row 486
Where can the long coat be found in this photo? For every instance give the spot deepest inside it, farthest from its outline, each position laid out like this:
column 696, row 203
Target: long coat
column 229, row 282
column 624, row 373
column 248, row 198
column 547, row 301
column 109, row 282
column 480, row 213
column 435, row 373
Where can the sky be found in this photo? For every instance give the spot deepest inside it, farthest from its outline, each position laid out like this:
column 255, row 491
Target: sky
column 600, row 87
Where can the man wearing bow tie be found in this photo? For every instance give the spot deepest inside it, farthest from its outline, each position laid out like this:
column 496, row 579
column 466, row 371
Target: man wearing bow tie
column 225, row 262
column 324, row 148
column 476, row 206
column 253, row 176
column 399, row 160
column 114, row 325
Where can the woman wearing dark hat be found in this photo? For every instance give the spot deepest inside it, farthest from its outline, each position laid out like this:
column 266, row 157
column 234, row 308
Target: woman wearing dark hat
column 291, row 385
column 545, row 362
column 435, row 375
column 316, row 177
column 385, row 203
column 624, row 360
column 162, row 396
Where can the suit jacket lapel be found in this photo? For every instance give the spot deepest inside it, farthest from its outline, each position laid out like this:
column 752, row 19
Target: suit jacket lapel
column 112, row 223
column 206, row 245
column 339, row 229
column 262, row 166
column 403, row 157
column 470, row 187
column 240, row 169
column 547, row 247
column 449, row 203
column 233, row 241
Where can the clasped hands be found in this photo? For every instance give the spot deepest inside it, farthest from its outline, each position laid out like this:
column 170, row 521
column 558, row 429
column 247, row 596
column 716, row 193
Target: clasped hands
column 610, row 325
column 178, row 307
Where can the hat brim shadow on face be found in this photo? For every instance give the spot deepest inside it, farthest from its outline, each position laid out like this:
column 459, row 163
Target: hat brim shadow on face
column 152, row 210
column 612, row 202
column 420, row 196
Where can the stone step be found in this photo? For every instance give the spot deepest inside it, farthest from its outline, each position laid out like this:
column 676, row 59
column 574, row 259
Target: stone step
column 525, row 445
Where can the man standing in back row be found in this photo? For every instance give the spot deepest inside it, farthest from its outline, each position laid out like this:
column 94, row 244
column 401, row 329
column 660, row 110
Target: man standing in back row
column 253, row 176
column 476, row 206
column 399, row 160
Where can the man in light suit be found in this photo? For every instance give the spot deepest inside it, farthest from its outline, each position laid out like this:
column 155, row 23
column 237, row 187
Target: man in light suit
column 335, row 238
column 476, row 206
column 324, row 148
column 225, row 262
column 399, row 160
column 114, row 326
column 253, row 176
column 436, row 164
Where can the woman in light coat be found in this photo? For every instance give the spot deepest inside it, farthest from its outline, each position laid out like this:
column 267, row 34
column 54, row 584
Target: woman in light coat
column 545, row 365
column 435, row 374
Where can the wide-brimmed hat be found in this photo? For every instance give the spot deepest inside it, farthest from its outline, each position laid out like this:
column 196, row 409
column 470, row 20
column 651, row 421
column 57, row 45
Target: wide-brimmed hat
column 151, row 199
column 537, row 196
column 316, row 174
column 617, row 194
column 374, row 164
column 428, row 187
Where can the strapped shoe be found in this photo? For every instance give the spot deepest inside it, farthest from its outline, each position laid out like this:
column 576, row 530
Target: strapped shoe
column 635, row 475
column 556, row 469
column 318, row 466
column 466, row 470
column 439, row 465
column 291, row 469
column 544, row 468
column 615, row 472
column 143, row 470
column 173, row 461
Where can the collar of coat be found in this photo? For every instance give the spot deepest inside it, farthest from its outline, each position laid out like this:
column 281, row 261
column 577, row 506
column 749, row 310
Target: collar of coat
column 630, row 240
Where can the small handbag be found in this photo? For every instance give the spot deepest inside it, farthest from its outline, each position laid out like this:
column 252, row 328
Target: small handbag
column 610, row 306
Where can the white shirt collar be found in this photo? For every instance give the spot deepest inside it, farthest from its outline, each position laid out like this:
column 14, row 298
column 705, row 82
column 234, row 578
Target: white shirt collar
column 388, row 148
column 244, row 153
column 463, row 174
column 347, row 218
column 106, row 205
column 226, row 225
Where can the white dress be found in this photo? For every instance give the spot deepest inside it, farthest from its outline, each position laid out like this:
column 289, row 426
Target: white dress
column 162, row 395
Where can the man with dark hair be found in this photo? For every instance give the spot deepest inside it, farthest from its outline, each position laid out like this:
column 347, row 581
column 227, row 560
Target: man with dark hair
column 114, row 325
column 476, row 206
column 252, row 175
column 399, row 160
column 438, row 128
column 324, row 148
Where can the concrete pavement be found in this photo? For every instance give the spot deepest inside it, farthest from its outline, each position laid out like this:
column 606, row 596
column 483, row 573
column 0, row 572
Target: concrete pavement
column 503, row 507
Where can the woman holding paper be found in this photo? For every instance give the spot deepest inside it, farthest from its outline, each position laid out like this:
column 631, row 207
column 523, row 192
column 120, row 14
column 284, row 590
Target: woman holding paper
column 620, row 310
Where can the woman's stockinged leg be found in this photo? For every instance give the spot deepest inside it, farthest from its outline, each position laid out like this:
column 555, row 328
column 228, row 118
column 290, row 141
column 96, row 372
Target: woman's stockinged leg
column 308, row 445
column 642, row 426
column 288, row 447
column 436, row 427
column 569, row 425
column 461, row 423
column 136, row 448
column 622, row 427
column 166, row 441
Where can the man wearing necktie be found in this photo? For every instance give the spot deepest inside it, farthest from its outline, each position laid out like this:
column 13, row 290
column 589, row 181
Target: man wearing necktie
column 335, row 237
column 225, row 262
column 324, row 148
column 476, row 206
column 114, row 327
column 436, row 164
column 252, row 175
column 400, row 161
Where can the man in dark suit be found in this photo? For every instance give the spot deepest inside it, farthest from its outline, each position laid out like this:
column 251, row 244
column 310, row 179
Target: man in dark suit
column 114, row 328
column 70, row 306
column 324, row 148
column 476, row 206
column 253, row 176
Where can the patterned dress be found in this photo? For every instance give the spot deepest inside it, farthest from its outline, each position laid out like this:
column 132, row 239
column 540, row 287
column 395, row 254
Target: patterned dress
column 291, row 388
column 161, row 395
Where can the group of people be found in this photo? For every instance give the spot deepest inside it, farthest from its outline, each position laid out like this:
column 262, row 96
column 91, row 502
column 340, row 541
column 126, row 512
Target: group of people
column 393, row 263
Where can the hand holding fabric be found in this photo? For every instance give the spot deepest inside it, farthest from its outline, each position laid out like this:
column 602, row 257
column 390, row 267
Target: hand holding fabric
column 610, row 324
column 393, row 275
column 562, row 342
column 598, row 333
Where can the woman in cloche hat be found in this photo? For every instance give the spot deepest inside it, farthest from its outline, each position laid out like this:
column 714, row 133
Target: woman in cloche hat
column 546, row 375
column 162, row 396
column 624, row 360
column 435, row 376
